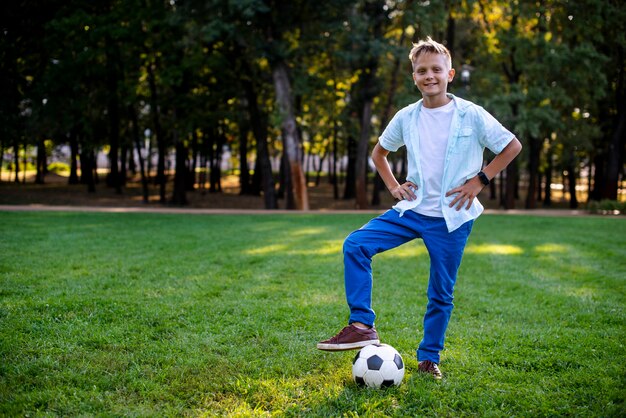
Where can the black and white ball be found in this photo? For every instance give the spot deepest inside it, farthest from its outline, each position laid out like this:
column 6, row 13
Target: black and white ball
column 378, row 365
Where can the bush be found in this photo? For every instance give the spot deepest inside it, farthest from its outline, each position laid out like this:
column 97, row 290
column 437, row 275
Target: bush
column 58, row 168
column 607, row 207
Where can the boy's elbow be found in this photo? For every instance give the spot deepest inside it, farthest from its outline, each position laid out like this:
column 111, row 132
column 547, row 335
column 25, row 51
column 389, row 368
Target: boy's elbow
column 379, row 152
column 516, row 146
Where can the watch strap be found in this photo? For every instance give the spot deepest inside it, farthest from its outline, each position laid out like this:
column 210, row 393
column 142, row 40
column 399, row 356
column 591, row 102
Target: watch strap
column 483, row 178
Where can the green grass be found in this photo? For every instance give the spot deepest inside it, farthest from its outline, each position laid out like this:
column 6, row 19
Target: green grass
column 169, row 315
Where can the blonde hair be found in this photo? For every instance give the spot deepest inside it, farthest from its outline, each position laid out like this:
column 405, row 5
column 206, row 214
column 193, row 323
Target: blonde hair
column 429, row 46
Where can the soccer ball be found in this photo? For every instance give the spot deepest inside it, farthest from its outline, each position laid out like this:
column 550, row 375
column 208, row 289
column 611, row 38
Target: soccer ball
column 378, row 365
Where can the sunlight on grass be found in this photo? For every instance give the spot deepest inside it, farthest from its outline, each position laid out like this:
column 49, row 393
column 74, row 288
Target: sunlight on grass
column 551, row 248
column 412, row 249
column 309, row 231
column 328, row 248
column 322, row 299
column 499, row 249
column 278, row 396
column 268, row 249
column 583, row 293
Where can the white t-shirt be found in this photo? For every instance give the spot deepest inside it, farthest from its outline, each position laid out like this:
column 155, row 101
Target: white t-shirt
column 433, row 126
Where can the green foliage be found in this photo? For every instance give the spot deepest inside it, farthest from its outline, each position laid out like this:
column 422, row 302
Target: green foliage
column 58, row 167
column 170, row 315
column 607, row 207
column 536, row 65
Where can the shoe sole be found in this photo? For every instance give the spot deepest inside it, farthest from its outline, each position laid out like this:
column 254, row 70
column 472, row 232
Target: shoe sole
column 347, row 346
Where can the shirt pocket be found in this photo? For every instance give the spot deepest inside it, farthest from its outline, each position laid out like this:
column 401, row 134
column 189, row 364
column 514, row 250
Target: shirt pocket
column 463, row 140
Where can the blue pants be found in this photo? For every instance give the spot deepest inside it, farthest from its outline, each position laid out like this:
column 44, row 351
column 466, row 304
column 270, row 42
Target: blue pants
column 388, row 231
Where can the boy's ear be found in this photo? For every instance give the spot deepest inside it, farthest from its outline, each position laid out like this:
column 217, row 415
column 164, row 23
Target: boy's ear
column 451, row 75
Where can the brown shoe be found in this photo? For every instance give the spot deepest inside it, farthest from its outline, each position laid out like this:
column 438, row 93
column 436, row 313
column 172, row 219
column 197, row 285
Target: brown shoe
column 429, row 367
column 350, row 338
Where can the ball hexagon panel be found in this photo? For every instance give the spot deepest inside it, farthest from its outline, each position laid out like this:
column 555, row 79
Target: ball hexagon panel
column 398, row 360
column 374, row 362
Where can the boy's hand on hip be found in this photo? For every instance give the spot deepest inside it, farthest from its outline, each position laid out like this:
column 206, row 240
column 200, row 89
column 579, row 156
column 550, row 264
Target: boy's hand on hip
column 465, row 193
column 404, row 191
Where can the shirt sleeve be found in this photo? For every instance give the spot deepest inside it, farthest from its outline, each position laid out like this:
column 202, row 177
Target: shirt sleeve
column 494, row 136
column 392, row 138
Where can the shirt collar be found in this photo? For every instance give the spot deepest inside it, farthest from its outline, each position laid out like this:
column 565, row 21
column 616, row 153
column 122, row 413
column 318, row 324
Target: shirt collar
column 461, row 104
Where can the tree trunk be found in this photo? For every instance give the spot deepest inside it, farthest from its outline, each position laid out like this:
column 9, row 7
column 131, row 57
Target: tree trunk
column 160, row 137
column 501, row 187
column 16, row 159
column 137, row 140
column 513, row 75
column 320, row 166
column 533, row 170
column 492, row 187
column 350, row 189
column 617, row 144
column 87, row 167
column 215, row 179
column 1, row 158
column 73, row 179
column 179, row 195
column 571, row 180
column 375, row 14
column 291, row 140
column 286, row 187
column 258, row 122
column 244, row 170
column 511, row 185
column 41, row 161
column 335, row 177
column 393, row 86
column 615, row 160
column 510, row 189
column 190, row 184
column 598, row 176
column 112, row 60
column 123, row 175
column 547, row 195
column 25, row 163
column 362, row 154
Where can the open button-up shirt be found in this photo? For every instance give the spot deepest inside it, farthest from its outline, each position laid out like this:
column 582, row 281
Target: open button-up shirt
column 472, row 130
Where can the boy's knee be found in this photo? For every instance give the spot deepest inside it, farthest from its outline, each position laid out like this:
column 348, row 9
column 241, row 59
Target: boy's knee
column 442, row 302
column 350, row 244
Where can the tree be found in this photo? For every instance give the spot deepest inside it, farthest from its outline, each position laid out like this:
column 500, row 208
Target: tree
column 609, row 24
column 368, row 87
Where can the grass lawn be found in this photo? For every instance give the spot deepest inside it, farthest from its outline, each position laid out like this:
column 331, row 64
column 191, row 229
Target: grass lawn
column 169, row 315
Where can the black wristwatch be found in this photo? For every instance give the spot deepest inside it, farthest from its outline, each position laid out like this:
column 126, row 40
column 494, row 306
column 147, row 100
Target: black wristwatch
column 483, row 178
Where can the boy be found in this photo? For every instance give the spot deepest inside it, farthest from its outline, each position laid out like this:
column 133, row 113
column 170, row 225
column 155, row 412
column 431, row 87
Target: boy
column 445, row 138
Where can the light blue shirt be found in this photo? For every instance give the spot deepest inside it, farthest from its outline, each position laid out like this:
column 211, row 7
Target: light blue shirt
column 472, row 130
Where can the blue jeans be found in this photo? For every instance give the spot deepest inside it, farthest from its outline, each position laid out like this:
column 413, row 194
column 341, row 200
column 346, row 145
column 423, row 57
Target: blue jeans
column 388, row 231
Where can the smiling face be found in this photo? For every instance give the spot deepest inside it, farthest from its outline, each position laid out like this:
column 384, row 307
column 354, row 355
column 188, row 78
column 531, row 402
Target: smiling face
column 432, row 73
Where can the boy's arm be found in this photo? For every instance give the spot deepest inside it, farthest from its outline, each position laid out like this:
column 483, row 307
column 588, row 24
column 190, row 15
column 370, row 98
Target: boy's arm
column 397, row 190
column 471, row 188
